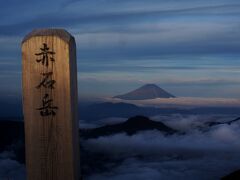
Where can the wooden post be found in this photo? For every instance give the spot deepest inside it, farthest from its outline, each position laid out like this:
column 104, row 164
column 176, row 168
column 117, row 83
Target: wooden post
column 49, row 81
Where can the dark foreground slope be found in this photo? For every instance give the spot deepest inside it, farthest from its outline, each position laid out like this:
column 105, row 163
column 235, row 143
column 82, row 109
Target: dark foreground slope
column 233, row 176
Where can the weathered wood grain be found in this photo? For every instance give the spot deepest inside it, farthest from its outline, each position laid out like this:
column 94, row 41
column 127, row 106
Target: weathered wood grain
column 52, row 147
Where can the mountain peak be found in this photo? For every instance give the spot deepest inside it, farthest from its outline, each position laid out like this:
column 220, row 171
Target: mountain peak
column 147, row 91
column 132, row 126
column 150, row 85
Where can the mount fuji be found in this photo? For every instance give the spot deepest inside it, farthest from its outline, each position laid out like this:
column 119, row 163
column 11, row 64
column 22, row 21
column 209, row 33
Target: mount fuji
column 148, row 91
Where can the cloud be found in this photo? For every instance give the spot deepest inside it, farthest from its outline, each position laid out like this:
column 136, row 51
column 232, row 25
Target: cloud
column 10, row 169
column 207, row 154
column 153, row 6
column 183, row 102
column 160, row 37
column 130, row 17
column 130, row 30
column 207, row 168
column 123, row 75
column 227, row 134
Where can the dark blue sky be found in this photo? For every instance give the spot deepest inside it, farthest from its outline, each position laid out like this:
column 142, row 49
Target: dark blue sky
column 189, row 47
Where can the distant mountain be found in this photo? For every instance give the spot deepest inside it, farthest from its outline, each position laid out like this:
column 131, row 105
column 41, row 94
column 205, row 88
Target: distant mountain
column 123, row 110
column 104, row 110
column 148, row 91
column 130, row 127
column 108, row 109
column 220, row 123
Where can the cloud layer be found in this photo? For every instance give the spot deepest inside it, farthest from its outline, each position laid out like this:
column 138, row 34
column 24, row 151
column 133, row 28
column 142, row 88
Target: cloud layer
column 208, row 154
column 187, row 102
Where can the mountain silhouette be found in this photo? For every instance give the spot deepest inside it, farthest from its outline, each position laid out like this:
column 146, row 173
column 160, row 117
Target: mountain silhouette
column 126, row 110
column 148, row 91
column 108, row 109
column 219, row 123
column 130, row 127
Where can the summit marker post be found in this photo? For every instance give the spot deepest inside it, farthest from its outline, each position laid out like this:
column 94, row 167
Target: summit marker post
column 49, row 82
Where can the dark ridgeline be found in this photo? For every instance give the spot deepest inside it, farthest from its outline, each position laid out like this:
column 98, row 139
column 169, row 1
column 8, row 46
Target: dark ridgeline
column 108, row 109
column 126, row 110
column 148, row 91
column 123, row 110
column 219, row 123
column 130, row 127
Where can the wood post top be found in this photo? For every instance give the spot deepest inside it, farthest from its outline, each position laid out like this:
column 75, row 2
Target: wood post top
column 61, row 33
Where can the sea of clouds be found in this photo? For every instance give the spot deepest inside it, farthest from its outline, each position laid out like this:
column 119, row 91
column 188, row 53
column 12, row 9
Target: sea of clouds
column 201, row 153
